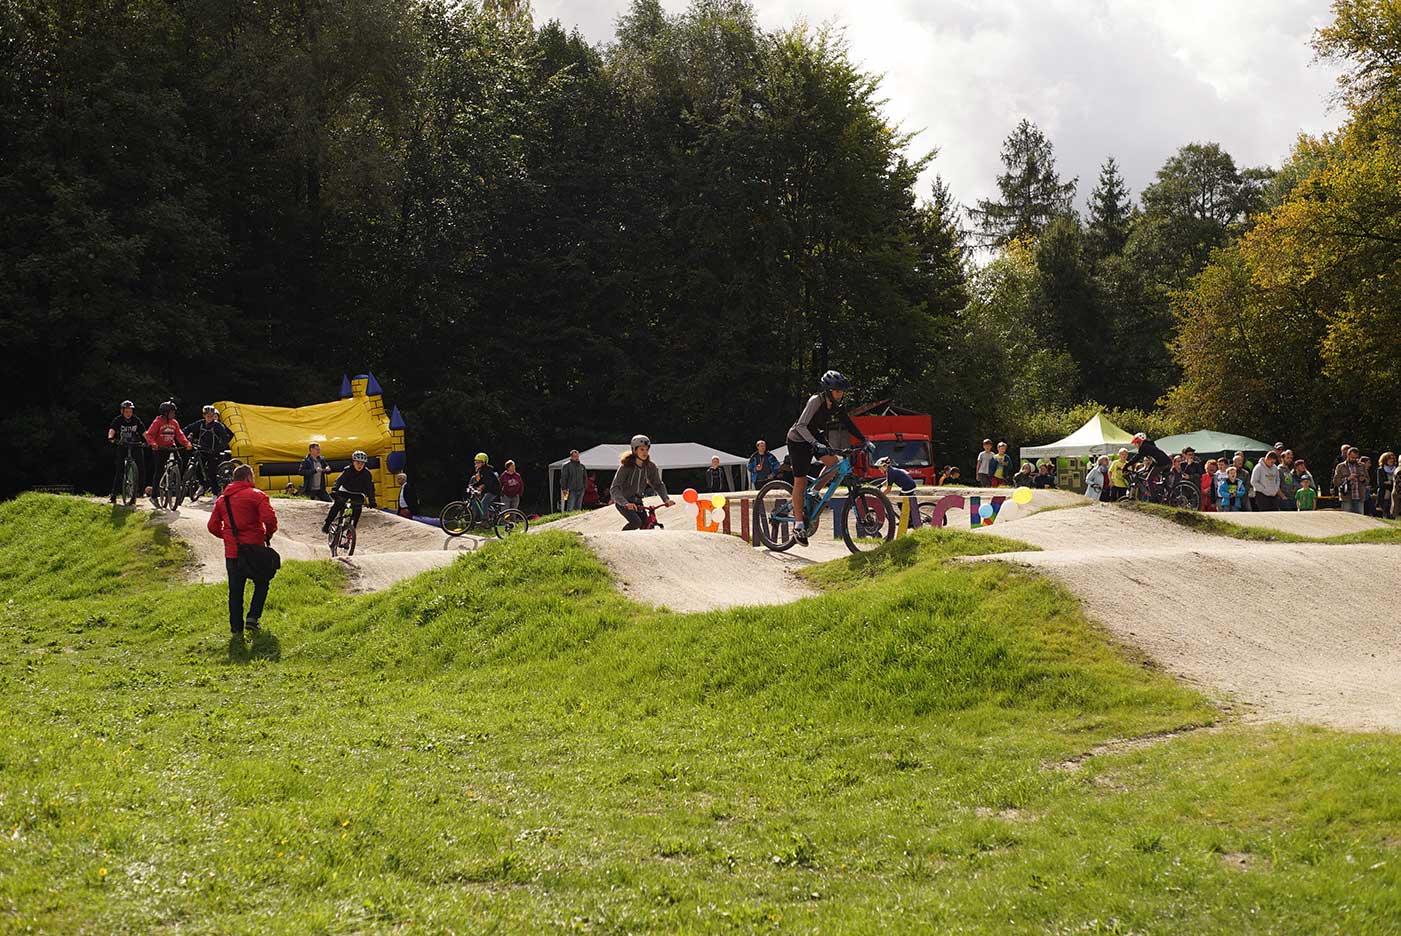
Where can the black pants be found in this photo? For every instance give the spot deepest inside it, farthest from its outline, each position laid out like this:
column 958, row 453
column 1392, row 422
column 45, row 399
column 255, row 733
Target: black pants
column 236, row 582
column 635, row 518
column 1264, row 502
column 338, row 504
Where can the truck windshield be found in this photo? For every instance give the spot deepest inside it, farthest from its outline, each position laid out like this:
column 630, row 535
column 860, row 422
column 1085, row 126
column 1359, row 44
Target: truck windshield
column 909, row 453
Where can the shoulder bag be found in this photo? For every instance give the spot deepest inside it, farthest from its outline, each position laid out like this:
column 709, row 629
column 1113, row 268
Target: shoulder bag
column 255, row 560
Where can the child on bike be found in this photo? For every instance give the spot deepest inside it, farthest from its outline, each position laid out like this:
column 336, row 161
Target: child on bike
column 124, row 431
column 164, row 433
column 485, row 482
column 211, row 437
column 354, row 480
column 636, row 473
column 823, row 412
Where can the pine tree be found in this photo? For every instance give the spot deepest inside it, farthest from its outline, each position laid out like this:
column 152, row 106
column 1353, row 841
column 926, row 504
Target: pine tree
column 1111, row 207
column 1032, row 193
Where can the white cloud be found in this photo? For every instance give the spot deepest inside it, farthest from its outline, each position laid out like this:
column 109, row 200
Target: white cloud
column 1134, row 79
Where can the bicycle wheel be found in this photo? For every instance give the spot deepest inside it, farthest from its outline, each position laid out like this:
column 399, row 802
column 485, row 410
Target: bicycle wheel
column 1187, row 496
column 773, row 523
column 170, row 488
column 511, row 521
column 131, row 481
column 348, row 538
column 456, row 518
column 870, row 519
column 333, row 535
column 223, row 475
column 193, row 481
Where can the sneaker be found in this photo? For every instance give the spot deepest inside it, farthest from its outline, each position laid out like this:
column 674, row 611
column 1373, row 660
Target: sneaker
column 236, row 631
column 801, row 535
column 252, row 626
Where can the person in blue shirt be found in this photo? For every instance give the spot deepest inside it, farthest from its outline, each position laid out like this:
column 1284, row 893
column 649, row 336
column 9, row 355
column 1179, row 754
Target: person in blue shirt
column 763, row 466
column 896, row 477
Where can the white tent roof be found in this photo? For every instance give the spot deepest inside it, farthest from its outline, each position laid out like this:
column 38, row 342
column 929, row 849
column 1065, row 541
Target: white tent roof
column 665, row 454
column 1099, row 436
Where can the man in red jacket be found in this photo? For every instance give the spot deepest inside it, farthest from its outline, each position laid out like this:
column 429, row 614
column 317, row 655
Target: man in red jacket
column 256, row 523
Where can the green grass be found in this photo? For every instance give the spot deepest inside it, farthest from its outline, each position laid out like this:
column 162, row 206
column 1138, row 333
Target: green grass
column 551, row 518
column 508, row 745
column 1390, row 534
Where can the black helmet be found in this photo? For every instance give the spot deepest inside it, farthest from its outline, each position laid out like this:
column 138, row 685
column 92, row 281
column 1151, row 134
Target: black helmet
column 167, row 408
column 835, row 380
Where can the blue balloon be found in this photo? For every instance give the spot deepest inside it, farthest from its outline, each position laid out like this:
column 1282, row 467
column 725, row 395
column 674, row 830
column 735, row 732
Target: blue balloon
column 985, row 511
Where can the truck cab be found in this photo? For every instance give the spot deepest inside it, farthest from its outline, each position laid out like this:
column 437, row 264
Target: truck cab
column 902, row 435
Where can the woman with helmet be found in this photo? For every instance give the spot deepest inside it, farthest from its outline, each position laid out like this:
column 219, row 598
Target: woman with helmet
column 164, row 433
column 125, row 430
column 354, row 480
column 807, row 439
column 636, row 473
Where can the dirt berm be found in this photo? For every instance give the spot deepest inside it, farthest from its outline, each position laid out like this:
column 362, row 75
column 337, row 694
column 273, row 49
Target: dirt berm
column 388, row 547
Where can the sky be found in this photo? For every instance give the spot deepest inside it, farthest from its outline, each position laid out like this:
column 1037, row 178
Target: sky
column 1134, row 79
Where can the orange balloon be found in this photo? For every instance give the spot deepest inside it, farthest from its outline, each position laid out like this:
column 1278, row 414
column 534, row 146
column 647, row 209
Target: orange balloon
column 690, row 495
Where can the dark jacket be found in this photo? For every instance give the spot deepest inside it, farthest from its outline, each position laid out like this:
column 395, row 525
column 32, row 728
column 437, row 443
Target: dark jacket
column 487, row 480
column 309, row 466
column 214, row 437
column 410, row 499
column 572, row 477
column 762, row 468
column 716, row 480
column 633, row 479
column 359, row 482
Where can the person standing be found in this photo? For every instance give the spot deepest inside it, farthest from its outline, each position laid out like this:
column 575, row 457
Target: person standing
column 763, row 466
column 163, row 435
column 1350, row 482
column 211, row 438
column 1386, row 481
column 1097, row 480
column 1231, row 492
column 636, row 474
column 1264, row 483
column 243, row 515
column 572, row 483
column 125, row 431
column 984, row 467
column 408, row 498
column 512, row 486
column 314, row 471
column 1305, row 496
column 1001, row 466
column 715, row 479
column 1118, row 476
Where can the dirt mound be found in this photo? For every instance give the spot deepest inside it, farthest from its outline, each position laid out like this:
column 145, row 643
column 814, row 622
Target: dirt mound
column 697, row 571
column 1320, row 523
column 1295, row 631
column 388, row 547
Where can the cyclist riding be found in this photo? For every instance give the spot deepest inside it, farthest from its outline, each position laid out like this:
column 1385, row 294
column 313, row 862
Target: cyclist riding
column 164, row 433
column 806, row 439
column 354, row 480
column 636, row 474
column 125, row 430
column 211, row 438
column 485, row 481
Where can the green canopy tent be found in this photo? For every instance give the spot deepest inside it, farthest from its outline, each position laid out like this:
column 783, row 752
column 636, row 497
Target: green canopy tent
column 1210, row 444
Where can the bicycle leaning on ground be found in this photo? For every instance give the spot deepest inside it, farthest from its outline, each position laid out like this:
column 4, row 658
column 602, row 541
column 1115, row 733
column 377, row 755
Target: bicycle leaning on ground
column 341, row 535
column 462, row 516
column 168, row 486
column 868, row 517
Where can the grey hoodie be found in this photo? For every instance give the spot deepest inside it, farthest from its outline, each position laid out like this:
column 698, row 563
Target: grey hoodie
column 634, row 477
column 1265, row 479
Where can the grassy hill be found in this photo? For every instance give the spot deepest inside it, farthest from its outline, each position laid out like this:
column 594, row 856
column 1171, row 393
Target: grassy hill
column 508, row 744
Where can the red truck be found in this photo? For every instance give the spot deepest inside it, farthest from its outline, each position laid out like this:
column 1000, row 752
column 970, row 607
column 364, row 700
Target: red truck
column 900, row 434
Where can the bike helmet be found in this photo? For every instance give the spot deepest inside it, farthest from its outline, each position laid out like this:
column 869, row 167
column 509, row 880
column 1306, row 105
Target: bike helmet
column 835, row 380
column 359, row 456
column 208, row 408
column 640, row 440
column 883, row 462
column 127, row 404
column 167, row 408
column 1139, row 437
column 481, row 457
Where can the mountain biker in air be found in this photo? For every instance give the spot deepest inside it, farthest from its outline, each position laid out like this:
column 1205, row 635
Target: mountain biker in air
column 486, row 482
column 1159, row 460
column 164, row 433
column 636, row 474
column 125, row 428
column 806, row 439
column 211, row 437
column 354, row 480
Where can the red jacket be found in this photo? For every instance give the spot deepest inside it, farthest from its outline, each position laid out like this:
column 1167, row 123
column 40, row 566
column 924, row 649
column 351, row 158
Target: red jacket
column 166, row 433
column 252, row 513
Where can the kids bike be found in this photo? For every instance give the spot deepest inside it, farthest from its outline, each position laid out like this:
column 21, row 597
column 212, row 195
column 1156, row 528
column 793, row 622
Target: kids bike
column 341, row 536
column 867, row 519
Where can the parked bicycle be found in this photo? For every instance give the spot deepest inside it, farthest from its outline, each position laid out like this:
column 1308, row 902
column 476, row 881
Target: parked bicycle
column 168, row 487
column 867, row 518
column 462, row 516
column 135, row 450
column 197, row 482
column 1149, row 486
column 341, row 535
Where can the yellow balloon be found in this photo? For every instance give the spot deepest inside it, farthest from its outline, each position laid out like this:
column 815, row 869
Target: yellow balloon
column 1022, row 495
column 717, row 501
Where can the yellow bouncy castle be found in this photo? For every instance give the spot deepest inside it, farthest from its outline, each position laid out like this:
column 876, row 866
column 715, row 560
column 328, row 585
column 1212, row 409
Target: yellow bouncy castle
column 274, row 439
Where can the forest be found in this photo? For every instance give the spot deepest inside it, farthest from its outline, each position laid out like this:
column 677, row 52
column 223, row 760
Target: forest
column 537, row 243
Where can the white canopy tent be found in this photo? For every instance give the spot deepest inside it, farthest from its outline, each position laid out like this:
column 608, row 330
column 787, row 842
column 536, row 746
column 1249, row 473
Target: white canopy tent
column 667, row 455
column 1099, row 436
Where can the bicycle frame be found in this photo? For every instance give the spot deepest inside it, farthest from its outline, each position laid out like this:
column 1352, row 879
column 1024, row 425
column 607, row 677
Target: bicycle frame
column 842, row 470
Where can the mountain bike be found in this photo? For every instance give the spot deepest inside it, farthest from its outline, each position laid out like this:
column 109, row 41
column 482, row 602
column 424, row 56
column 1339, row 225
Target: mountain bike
column 197, row 484
column 867, row 518
column 341, row 536
column 134, row 447
column 168, row 489
column 1150, row 487
column 460, row 517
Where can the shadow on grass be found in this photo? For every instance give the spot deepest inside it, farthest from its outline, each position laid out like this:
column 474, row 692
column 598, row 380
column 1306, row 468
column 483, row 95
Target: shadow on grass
column 263, row 645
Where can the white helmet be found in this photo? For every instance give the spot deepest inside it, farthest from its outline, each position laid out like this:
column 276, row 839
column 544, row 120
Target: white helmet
column 359, row 456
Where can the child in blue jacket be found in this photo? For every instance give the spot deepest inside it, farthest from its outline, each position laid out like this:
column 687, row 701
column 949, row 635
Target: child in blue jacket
column 1230, row 493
